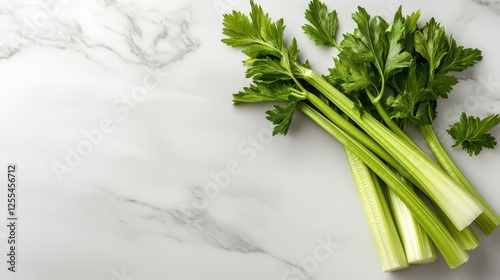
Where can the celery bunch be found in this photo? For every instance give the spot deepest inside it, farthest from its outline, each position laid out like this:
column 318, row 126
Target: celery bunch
column 411, row 62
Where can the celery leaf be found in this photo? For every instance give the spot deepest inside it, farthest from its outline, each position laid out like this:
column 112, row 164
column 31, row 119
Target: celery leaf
column 281, row 117
column 323, row 24
column 471, row 133
column 260, row 92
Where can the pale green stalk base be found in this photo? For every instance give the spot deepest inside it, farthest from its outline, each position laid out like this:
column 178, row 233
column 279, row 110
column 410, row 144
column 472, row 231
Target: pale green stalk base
column 449, row 248
column 489, row 219
column 385, row 235
column 418, row 246
column 466, row 238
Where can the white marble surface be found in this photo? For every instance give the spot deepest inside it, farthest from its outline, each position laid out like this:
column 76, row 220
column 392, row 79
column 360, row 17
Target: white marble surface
column 150, row 83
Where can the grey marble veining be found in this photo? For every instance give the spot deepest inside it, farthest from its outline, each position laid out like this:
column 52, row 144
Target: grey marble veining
column 148, row 37
column 489, row 3
column 132, row 207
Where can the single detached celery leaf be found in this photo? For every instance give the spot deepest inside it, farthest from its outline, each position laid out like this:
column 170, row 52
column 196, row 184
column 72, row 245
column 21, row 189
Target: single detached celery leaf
column 323, row 24
column 471, row 133
column 281, row 117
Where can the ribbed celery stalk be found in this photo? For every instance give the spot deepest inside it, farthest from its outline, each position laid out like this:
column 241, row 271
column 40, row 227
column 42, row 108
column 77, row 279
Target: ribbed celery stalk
column 459, row 205
column 467, row 238
column 449, row 248
column 418, row 246
column 419, row 249
column 489, row 219
column 385, row 235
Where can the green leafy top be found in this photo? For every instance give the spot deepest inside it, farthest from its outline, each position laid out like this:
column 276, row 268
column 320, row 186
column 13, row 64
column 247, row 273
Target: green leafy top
column 373, row 53
column 273, row 66
column 257, row 35
column 324, row 24
column 414, row 62
column 413, row 102
column 472, row 133
column 435, row 55
column 432, row 43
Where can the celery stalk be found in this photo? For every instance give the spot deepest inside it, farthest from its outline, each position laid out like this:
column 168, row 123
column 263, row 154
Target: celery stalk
column 447, row 245
column 385, row 235
column 489, row 219
column 418, row 247
column 458, row 204
column 467, row 238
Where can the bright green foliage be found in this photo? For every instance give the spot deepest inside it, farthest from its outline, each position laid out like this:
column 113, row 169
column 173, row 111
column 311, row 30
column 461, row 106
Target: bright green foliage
column 257, row 35
column 472, row 133
column 281, row 117
column 431, row 42
column 324, row 24
column 372, row 54
column 459, row 58
column 260, row 92
column 413, row 101
column 272, row 65
column 397, row 57
column 417, row 88
column 442, row 53
column 268, row 70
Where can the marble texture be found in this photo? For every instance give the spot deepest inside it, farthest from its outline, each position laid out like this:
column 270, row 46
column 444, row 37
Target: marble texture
column 133, row 164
